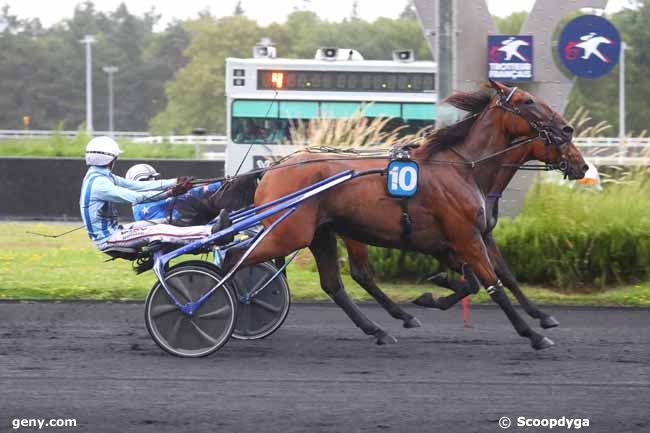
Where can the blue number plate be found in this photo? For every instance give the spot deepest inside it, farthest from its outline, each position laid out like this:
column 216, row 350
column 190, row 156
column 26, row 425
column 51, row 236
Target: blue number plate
column 402, row 178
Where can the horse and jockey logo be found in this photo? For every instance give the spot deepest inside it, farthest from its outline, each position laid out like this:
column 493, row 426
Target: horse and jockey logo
column 589, row 46
column 510, row 57
column 509, row 48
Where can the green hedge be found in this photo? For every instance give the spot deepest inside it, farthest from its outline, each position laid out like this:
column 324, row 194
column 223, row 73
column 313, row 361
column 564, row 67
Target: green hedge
column 564, row 238
column 60, row 146
column 571, row 239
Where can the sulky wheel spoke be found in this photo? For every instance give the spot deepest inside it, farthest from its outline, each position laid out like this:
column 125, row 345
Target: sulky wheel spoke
column 257, row 286
column 160, row 310
column 265, row 305
column 174, row 331
column 205, row 336
column 179, row 285
column 216, row 314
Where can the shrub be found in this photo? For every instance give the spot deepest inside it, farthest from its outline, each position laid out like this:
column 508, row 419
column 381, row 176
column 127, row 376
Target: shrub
column 571, row 238
column 564, row 238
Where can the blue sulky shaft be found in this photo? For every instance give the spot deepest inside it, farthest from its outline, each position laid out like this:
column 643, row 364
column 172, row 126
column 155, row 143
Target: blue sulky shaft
column 239, row 215
column 244, row 220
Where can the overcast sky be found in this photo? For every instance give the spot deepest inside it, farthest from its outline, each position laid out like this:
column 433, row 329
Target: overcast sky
column 264, row 11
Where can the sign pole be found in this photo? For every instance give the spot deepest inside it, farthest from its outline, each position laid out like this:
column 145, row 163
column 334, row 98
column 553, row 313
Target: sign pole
column 445, row 60
column 621, row 95
column 110, row 71
column 88, row 40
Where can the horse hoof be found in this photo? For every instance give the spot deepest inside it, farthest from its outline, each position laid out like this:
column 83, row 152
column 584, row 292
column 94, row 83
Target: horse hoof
column 425, row 300
column 542, row 343
column 385, row 338
column 549, row 322
column 412, row 322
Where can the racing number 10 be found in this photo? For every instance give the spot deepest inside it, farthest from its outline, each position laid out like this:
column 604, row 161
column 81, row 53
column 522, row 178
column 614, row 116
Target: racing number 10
column 402, row 179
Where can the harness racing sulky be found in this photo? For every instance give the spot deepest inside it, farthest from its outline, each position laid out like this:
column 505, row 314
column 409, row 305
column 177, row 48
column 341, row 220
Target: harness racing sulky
column 438, row 197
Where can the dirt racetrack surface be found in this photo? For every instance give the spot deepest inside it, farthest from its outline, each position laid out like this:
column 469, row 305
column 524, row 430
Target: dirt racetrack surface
column 95, row 362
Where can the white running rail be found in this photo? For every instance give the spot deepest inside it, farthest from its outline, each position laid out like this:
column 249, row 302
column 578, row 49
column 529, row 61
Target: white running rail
column 35, row 133
column 213, row 140
column 599, row 150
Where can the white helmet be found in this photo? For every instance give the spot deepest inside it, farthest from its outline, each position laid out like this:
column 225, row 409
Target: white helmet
column 101, row 151
column 141, row 172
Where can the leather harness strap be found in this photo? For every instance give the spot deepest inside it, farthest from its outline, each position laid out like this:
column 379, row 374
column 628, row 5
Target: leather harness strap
column 405, row 221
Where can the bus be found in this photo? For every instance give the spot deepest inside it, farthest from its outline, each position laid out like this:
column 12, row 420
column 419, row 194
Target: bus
column 266, row 96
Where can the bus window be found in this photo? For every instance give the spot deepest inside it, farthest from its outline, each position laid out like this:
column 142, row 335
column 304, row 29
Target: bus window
column 339, row 110
column 419, row 111
column 260, row 131
column 270, row 122
column 298, row 109
column 244, row 108
column 382, row 109
column 249, row 130
column 418, row 116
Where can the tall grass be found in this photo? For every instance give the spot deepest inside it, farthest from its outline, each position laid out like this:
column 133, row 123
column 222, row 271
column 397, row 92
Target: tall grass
column 354, row 132
column 580, row 239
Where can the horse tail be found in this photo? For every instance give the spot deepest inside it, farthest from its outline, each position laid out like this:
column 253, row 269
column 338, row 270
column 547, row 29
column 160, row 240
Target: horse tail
column 236, row 193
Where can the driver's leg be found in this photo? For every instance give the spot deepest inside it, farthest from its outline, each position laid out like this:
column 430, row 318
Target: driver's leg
column 138, row 234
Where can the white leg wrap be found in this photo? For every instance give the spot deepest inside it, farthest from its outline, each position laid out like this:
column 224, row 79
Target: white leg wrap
column 492, row 289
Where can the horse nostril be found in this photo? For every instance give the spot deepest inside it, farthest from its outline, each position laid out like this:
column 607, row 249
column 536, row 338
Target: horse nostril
column 585, row 168
column 567, row 130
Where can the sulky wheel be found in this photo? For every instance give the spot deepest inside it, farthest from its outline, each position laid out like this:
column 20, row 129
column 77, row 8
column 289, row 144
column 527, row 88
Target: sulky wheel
column 265, row 312
column 207, row 329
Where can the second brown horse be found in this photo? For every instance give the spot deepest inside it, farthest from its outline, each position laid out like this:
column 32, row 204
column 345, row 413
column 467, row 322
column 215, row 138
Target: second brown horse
column 449, row 213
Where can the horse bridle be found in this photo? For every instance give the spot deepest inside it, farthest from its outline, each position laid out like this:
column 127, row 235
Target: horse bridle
column 545, row 131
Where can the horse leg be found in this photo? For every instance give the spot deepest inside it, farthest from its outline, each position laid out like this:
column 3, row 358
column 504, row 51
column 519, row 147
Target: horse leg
column 509, row 280
column 323, row 247
column 360, row 272
column 474, row 252
column 443, row 280
column 468, row 286
column 279, row 262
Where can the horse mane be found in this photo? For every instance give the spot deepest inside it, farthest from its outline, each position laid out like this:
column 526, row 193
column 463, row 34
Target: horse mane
column 449, row 136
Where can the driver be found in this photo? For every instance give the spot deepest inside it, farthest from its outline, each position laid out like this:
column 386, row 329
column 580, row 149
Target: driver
column 184, row 210
column 101, row 190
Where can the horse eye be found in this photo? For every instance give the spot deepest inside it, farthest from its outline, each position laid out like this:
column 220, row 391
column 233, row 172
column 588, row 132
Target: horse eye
column 529, row 102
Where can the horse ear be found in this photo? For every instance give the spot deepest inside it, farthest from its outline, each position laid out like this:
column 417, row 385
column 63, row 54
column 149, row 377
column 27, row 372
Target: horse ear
column 498, row 86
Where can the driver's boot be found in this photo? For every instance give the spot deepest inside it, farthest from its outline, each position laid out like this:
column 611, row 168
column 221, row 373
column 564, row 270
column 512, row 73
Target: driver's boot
column 223, row 221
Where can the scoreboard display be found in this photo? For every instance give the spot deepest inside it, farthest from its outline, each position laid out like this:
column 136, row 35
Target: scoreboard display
column 342, row 81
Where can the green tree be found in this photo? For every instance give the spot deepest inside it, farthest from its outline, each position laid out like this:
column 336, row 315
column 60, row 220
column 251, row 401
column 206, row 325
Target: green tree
column 43, row 70
column 23, row 59
column 409, row 12
column 196, row 98
column 354, row 13
column 512, row 24
column 239, row 10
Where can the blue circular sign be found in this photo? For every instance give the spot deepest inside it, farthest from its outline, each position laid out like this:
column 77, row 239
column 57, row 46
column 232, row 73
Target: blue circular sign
column 589, row 46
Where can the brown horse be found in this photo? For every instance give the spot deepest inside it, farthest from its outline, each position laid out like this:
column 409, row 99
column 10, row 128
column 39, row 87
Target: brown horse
column 360, row 266
column 449, row 213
